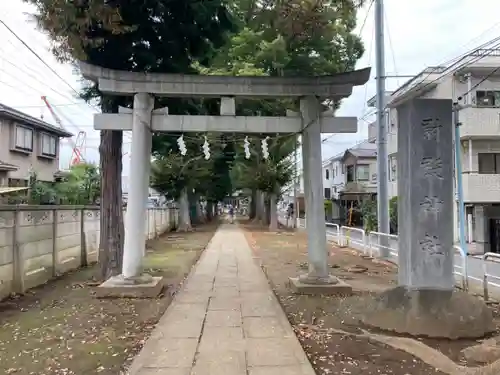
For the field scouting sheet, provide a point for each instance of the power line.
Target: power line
(391, 47)
(47, 65)
(481, 81)
(366, 17)
(452, 64)
(38, 57)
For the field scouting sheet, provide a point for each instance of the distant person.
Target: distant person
(231, 213)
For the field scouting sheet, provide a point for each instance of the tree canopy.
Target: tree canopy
(167, 36)
(232, 37)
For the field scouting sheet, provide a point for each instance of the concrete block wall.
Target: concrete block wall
(38, 243)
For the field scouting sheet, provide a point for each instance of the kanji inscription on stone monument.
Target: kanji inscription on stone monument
(433, 167)
(432, 204)
(431, 128)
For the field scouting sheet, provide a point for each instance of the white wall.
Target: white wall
(338, 181)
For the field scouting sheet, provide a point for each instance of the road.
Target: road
(474, 265)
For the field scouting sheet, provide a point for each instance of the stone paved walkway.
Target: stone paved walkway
(225, 320)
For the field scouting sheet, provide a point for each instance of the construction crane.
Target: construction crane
(78, 145)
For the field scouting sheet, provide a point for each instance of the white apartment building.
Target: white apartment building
(474, 83)
(333, 177)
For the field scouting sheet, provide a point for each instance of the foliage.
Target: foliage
(393, 214)
(166, 36)
(131, 35)
(285, 38)
(171, 172)
(79, 186)
(328, 206)
(295, 37)
(369, 214)
(266, 175)
(82, 185)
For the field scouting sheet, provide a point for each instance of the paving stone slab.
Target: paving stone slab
(228, 362)
(264, 327)
(224, 291)
(223, 318)
(165, 371)
(272, 352)
(282, 370)
(224, 303)
(173, 353)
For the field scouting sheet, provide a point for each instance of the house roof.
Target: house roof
(14, 114)
(363, 150)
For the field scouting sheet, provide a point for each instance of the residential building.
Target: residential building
(360, 166)
(27, 144)
(474, 83)
(333, 177)
(338, 176)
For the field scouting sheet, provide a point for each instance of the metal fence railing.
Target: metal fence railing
(333, 232)
(486, 275)
(370, 243)
(461, 270)
(348, 240)
(375, 243)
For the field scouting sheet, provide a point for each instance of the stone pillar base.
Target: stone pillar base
(144, 286)
(310, 285)
(429, 313)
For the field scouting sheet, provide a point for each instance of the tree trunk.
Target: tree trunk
(273, 220)
(259, 214)
(184, 216)
(111, 223)
(209, 210)
(265, 209)
(200, 218)
(253, 205)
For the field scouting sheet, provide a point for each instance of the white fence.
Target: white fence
(370, 243)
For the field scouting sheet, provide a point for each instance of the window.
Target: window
(488, 98)
(350, 173)
(49, 145)
(24, 138)
(327, 174)
(327, 193)
(488, 163)
(17, 182)
(363, 172)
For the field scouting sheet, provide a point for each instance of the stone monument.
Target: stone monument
(425, 303)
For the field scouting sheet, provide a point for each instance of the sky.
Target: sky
(417, 34)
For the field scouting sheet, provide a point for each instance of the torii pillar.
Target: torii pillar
(318, 280)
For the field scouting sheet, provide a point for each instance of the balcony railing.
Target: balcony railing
(480, 122)
(481, 188)
(372, 131)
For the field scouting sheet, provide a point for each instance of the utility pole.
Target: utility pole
(458, 171)
(382, 157)
(296, 181)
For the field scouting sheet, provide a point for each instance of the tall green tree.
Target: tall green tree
(189, 178)
(285, 38)
(144, 36)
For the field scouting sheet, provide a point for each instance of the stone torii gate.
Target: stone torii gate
(143, 120)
